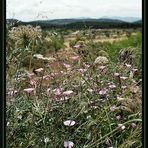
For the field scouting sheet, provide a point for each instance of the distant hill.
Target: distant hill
(13, 21)
(78, 23)
(138, 22)
(125, 19)
(69, 21)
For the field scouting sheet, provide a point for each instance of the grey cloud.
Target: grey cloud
(29, 9)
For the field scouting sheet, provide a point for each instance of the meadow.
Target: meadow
(73, 88)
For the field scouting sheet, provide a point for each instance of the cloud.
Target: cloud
(52, 9)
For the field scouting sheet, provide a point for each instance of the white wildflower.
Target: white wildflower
(116, 74)
(69, 123)
(46, 139)
(128, 65)
(101, 60)
(38, 56)
(103, 92)
(123, 78)
(68, 144)
(19, 117)
(112, 86)
(68, 92)
(39, 70)
(121, 126)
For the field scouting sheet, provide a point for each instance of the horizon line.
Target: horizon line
(103, 17)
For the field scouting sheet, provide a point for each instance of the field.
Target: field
(73, 88)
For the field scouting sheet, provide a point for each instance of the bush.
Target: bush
(25, 36)
(130, 55)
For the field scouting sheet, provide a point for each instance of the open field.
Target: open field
(80, 89)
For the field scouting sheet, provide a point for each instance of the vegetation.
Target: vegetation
(73, 90)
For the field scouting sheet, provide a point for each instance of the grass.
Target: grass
(106, 108)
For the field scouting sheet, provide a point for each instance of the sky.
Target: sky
(28, 10)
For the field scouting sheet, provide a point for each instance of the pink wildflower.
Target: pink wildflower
(113, 108)
(29, 90)
(77, 46)
(118, 117)
(81, 70)
(75, 58)
(46, 77)
(133, 125)
(112, 86)
(54, 74)
(57, 92)
(103, 92)
(66, 66)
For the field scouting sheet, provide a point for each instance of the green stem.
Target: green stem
(31, 56)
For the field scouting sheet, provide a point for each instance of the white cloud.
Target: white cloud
(27, 10)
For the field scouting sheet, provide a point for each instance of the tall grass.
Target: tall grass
(104, 100)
